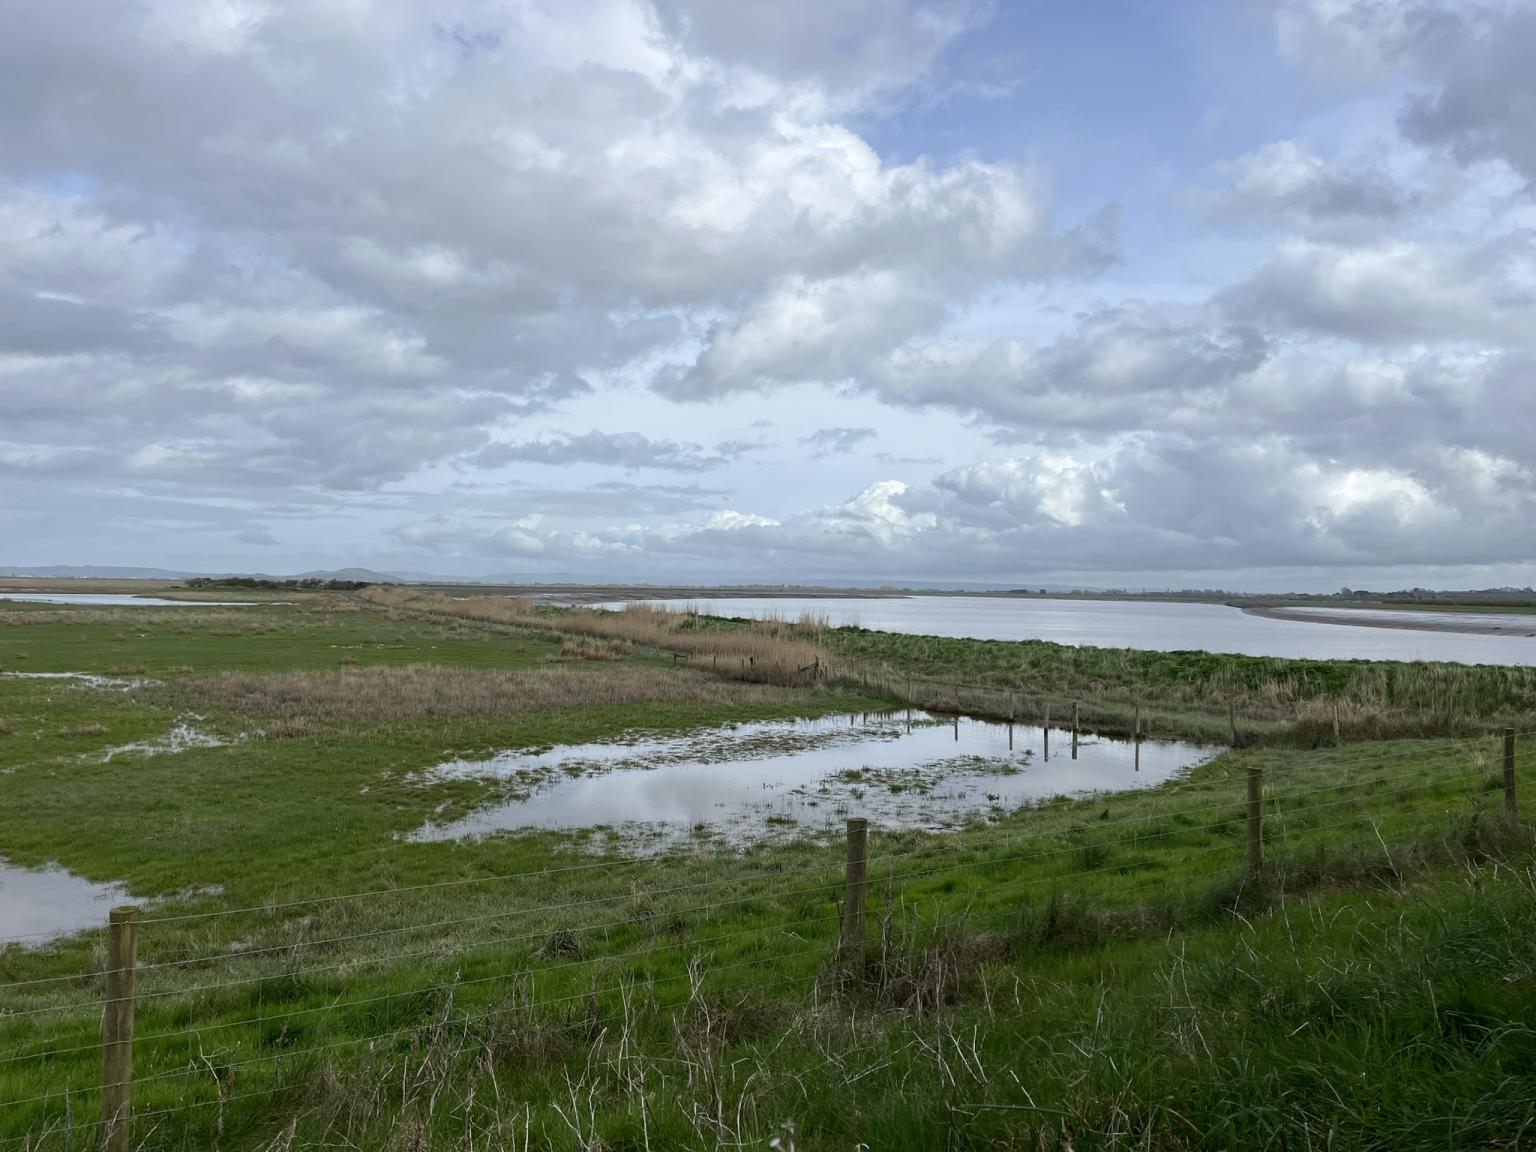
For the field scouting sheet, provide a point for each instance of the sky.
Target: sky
(1131, 293)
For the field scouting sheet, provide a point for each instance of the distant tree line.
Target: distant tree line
(307, 584)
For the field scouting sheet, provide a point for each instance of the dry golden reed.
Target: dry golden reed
(772, 651)
(393, 692)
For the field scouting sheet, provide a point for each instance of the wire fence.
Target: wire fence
(253, 1017)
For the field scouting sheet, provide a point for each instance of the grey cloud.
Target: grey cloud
(1475, 94)
(1390, 292)
(834, 441)
(1479, 55)
(257, 536)
(1113, 368)
(1283, 183)
(846, 46)
(272, 270)
(617, 449)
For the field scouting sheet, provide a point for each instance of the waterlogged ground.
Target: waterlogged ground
(774, 779)
(37, 904)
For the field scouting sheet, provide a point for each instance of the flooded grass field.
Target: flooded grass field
(400, 867)
(743, 783)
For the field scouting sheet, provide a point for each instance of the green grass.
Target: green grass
(1089, 973)
(1191, 693)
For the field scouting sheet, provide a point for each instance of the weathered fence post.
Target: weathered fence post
(1045, 730)
(1335, 723)
(1074, 729)
(1511, 798)
(1138, 721)
(117, 1031)
(1232, 719)
(1255, 819)
(851, 944)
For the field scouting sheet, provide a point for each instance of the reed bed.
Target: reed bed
(1189, 693)
(770, 651)
(398, 692)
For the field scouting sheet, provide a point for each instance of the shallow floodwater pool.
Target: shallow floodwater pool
(37, 904)
(773, 779)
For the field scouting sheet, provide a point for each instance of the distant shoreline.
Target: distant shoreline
(1361, 619)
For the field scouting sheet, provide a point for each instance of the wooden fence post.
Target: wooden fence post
(1335, 723)
(1232, 720)
(1138, 721)
(851, 944)
(1074, 729)
(117, 1031)
(1511, 798)
(1045, 730)
(1255, 819)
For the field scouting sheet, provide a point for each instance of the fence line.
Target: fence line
(226, 956)
(847, 954)
(842, 917)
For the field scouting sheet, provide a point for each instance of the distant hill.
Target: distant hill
(361, 575)
(110, 572)
(92, 572)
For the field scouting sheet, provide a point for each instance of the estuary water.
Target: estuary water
(1147, 624)
(117, 600)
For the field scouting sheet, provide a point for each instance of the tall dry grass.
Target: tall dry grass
(775, 650)
(399, 692)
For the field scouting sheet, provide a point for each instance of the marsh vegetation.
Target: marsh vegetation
(1098, 971)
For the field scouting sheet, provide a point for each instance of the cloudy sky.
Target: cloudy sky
(1235, 293)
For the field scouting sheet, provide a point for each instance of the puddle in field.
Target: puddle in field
(785, 778)
(180, 738)
(37, 904)
(83, 679)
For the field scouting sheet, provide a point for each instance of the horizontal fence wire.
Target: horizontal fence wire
(1440, 747)
(1335, 788)
(1296, 823)
(1271, 797)
(527, 973)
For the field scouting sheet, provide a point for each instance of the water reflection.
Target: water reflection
(40, 903)
(750, 781)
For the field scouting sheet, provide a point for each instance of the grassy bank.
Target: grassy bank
(1188, 694)
(1099, 972)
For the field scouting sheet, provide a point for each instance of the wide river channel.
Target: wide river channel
(1154, 625)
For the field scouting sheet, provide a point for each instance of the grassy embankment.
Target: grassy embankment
(1193, 695)
(1092, 973)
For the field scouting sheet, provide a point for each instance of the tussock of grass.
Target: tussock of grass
(594, 650)
(394, 692)
(84, 730)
